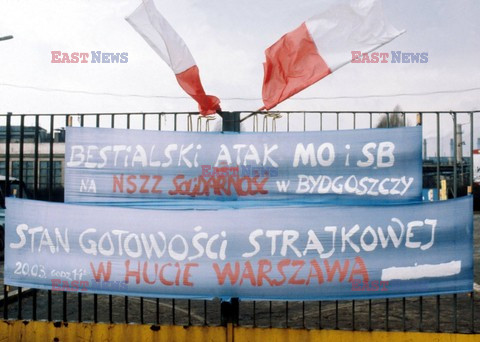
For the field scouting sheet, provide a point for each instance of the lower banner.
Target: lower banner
(308, 253)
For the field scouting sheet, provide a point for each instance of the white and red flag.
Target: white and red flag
(163, 39)
(321, 45)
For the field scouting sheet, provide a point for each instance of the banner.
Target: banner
(287, 253)
(152, 168)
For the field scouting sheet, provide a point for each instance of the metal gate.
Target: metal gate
(31, 165)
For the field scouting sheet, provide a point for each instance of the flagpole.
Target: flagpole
(6, 38)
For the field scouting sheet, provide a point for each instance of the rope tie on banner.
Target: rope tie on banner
(274, 117)
(207, 120)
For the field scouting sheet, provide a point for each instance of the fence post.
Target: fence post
(229, 312)
(230, 121)
(8, 138)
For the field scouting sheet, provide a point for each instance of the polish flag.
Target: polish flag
(163, 39)
(321, 45)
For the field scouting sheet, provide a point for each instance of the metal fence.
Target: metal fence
(31, 157)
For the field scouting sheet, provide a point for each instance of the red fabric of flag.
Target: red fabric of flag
(292, 64)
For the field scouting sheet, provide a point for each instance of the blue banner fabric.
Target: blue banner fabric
(286, 253)
(173, 169)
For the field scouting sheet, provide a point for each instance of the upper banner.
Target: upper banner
(147, 168)
(287, 253)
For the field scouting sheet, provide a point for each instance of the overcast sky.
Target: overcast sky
(227, 40)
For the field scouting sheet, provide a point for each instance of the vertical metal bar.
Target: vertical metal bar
(7, 155)
(472, 312)
(455, 327)
(387, 313)
(49, 306)
(204, 312)
(404, 307)
(288, 121)
(369, 315)
(189, 312)
(20, 171)
(321, 121)
(143, 121)
(254, 314)
(388, 119)
(437, 311)
(64, 306)
(338, 121)
(455, 144)
(471, 150)
(157, 311)
(128, 121)
(175, 122)
(304, 122)
(82, 120)
(353, 314)
(95, 308)
(270, 313)
(35, 157)
(141, 310)
(336, 315)
(97, 121)
(19, 303)
(112, 123)
(50, 160)
(110, 308)
(420, 313)
(303, 314)
(438, 151)
(235, 310)
(126, 309)
(371, 120)
(79, 306)
(34, 304)
(354, 120)
(319, 314)
(159, 122)
(286, 314)
(173, 311)
(5, 301)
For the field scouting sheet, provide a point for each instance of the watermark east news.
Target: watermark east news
(92, 57)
